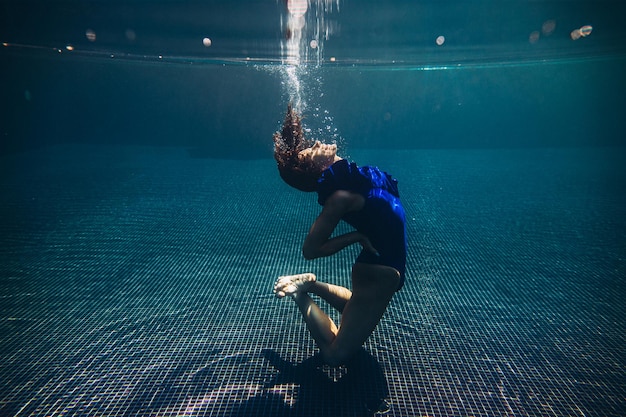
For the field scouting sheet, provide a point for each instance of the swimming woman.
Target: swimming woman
(368, 200)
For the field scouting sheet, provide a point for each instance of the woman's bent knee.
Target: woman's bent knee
(334, 357)
(379, 278)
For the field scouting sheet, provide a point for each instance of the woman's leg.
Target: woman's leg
(334, 295)
(373, 288)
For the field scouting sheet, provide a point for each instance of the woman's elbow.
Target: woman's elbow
(309, 253)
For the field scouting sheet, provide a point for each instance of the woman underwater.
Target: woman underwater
(368, 200)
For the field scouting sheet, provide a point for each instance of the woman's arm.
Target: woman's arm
(317, 243)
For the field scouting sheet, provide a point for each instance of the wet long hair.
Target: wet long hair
(288, 143)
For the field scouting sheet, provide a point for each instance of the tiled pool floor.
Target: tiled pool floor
(137, 281)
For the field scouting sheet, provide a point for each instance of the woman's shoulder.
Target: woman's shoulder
(344, 175)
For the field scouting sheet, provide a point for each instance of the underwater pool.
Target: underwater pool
(143, 223)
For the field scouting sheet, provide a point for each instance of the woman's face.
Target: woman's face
(320, 154)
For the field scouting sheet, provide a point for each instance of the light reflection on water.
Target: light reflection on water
(319, 32)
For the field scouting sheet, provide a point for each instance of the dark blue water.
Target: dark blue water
(142, 222)
(137, 281)
(507, 75)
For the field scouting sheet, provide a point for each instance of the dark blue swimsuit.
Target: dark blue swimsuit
(381, 219)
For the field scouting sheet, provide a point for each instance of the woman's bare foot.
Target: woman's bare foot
(293, 284)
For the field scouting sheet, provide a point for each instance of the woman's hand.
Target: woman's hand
(367, 245)
(318, 242)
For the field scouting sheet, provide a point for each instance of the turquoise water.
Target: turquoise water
(137, 280)
(505, 75)
(142, 222)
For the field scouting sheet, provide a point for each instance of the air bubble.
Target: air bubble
(586, 30)
(131, 35)
(90, 35)
(548, 27)
(297, 8)
(534, 37)
(581, 32)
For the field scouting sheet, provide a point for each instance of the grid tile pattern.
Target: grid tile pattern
(137, 281)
